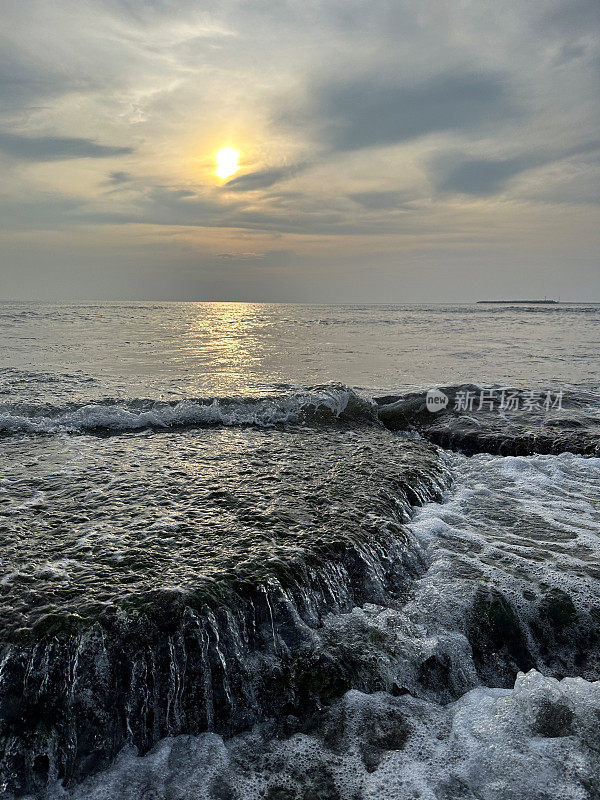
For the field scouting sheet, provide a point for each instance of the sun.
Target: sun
(227, 162)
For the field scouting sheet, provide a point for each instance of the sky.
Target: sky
(389, 150)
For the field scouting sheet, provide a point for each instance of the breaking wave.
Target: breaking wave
(520, 430)
(319, 404)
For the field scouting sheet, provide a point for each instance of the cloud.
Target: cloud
(399, 110)
(371, 110)
(239, 256)
(117, 177)
(487, 176)
(268, 257)
(174, 207)
(25, 79)
(574, 17)
(264, 178)
(48, 211)
(379, 201)
(55, 148)
(480, 176)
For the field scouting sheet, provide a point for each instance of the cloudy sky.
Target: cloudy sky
(397, 150)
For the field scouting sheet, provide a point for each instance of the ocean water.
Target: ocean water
(240, 558)
(178, 351)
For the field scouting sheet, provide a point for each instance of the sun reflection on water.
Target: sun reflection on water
(231, 338)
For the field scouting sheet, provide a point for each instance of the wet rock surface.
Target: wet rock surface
(375, 656)
(499, 420)
(74, 690)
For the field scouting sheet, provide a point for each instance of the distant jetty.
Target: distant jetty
(522, 302)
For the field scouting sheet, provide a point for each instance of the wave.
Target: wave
(315, 405)
(525, 428)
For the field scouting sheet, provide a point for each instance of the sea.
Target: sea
(255, 551)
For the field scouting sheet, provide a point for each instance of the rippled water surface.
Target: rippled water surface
(179, 350)
(89, 522)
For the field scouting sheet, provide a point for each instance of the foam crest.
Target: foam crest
(311, 406)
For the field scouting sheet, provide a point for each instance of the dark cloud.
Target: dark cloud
(264, 178)
(49, 211)
(55, 148)
(379, 201)
(574, 17)
(117, 177)
(480, 176)
(22, 81)
(569, 53)
(372, 110)
(162, 205)
(32, 77)
(171, 206)
(592, 147)
(487, 176)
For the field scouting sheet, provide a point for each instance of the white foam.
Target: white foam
(537, 741)
(263, 412)
(519, 521)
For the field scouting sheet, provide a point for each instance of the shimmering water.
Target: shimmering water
(61, 352)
